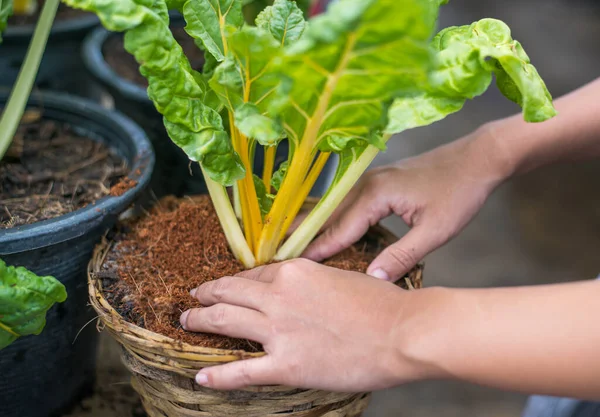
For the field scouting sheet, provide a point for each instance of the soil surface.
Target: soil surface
(124, 64)
(64, 13)
(155, 262)
(50, 170)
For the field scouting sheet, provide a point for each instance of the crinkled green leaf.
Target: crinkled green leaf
(178, 92)
(279, 175)
(208, 19)
(24, 300)
(351, 63)
(421, 110)
(467, 56)
(284, 20)
(265, 200)
(253, 124)
(6, 9)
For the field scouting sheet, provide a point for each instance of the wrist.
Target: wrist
(424, 332)
(489, 147)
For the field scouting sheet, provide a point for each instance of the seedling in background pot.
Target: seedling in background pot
(343, 82)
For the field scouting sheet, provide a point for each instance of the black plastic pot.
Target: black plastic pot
(41, 376)
(62, 68)
(172, 172)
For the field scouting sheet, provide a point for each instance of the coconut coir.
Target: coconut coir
(156, 260)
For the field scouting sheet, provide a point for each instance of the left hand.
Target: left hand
(321, 328)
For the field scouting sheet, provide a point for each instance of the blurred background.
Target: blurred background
(540, 228)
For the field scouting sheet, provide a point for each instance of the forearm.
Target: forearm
(543, 340)
(518, 147)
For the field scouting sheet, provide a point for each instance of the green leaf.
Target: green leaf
(421, 110)
(284, 20)
(6, 9)
(24, 300)
(351, 63)
(208, 19)
(253, 124)
(178, 92)
(467, 56)
(250, 86)
(279, 175)
(265, 200)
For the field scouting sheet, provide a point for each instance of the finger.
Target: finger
(240, 374)
(231, 290)
(227, 320)
(347, 230)
(396, 260)
(264, 273)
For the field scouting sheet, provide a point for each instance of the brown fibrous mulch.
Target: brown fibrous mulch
(155, 261)
(51, 170)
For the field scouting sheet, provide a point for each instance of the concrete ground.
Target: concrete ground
(539, 228)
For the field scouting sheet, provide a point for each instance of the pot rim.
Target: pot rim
(93, 59)
(75, 224)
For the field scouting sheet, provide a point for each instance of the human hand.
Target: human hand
(321, 328)
(436, 194)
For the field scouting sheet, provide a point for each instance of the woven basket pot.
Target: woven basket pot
(163, 369)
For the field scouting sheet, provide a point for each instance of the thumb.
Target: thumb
(237, 375)
(396, 260)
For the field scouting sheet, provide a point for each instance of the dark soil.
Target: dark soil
(64, 13)
(124, 64)
(50, 170)
(156, 261)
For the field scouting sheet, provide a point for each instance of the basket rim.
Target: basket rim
(110, 318)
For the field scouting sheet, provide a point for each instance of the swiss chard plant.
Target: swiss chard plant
(25, 297)
(343, 82)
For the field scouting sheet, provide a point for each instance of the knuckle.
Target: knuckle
(294, 369)
(219, 288)
(244, 375)
(402, 257)
(293, 270)
(217, 316)
(333, 237)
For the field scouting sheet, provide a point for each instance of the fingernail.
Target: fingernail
(183, 319)
(380, 274)
(193, 292)
(201, 379)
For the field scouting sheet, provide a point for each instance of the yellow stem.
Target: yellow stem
(300, 198)
(249, 194)
(270, 153)
(246, 221)
(269, 238)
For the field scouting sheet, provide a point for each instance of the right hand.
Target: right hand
(436, 194)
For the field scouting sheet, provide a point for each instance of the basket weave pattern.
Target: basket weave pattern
(163, 371)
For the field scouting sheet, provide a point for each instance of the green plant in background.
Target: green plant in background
(24, 297)
(344, 82)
